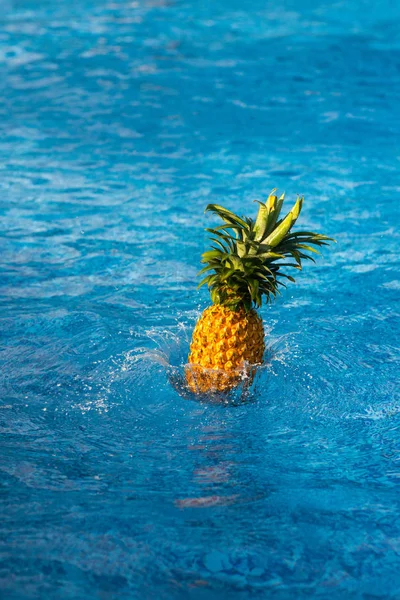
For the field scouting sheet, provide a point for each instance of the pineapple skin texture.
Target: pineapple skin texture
(223, 342)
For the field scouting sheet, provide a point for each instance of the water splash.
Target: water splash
(171, 348)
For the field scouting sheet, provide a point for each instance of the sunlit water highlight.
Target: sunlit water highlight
(119, 122)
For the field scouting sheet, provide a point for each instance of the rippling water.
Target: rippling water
(119, 121)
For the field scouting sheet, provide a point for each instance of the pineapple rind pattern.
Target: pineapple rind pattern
(225, 344)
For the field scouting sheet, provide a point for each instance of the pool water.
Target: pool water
(119, 122)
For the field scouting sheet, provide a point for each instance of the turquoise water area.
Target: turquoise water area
(119, 122)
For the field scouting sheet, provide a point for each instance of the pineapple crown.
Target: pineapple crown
(247, 255)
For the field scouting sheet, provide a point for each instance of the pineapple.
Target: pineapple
(244, 265)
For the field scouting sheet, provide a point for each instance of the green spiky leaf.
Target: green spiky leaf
(247, 259)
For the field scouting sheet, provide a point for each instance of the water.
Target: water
(119, 122)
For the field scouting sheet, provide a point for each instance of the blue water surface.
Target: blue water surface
(119, 121)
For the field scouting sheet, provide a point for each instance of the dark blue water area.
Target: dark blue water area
(119, 122)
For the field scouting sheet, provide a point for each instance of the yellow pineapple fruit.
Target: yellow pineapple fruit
(223, 340)
(245, 263)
